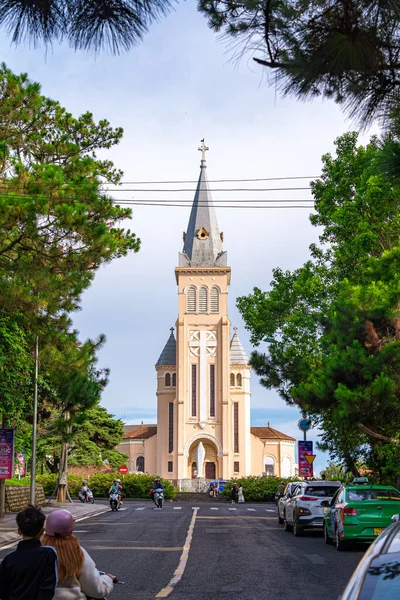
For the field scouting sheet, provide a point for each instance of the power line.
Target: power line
(208, 190)
(215, 203)
(165, 205)
(221, 180)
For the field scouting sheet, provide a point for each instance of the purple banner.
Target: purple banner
(6, 453)
(305, 469)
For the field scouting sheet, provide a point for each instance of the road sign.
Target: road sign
(304, 424)
(123, 470)
(310, 458)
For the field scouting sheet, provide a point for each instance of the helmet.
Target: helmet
(158, 479)
(83, 482)
(115, 480)
(60, 523)
(118, 481)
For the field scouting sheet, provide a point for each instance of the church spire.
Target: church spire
(203, 241)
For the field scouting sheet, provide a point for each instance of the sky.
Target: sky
(179, 86)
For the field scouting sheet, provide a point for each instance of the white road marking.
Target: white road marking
(177, 507)
(232, 508)
(195, 507)
(179, 571)
(142, 508)
(213, 508)
(269, 510)
(251, 509)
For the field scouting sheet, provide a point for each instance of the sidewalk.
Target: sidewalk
(8, 526)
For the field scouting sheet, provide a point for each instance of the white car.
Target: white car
(304, 510)
(283, 500)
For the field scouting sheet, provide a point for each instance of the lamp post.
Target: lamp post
(34, 433)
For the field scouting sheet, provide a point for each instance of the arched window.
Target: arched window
(140, 464)
(173, 379)
(239, 380)
(269, 466)
(232, 379)
(203, 300)
(167, 380)
(214, 300)
(191, 300)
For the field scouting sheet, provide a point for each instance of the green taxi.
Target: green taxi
(359, 512)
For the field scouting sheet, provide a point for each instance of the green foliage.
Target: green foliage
(337, 319)
(256, 489)
(134, 486)
(346, 50)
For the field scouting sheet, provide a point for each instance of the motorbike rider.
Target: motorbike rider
(84, 490)
(120, 490)
(116, 488)
(156, 486)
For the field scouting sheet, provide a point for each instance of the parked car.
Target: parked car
(304, 509)
(283, 500)
(377, 576)
(359, 512)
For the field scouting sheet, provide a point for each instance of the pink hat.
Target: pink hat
(60, 523)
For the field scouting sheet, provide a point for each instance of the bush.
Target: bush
(256, 489)
(133, 486)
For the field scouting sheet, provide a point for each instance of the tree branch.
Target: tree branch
(376, 435)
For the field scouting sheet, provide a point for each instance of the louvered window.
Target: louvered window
(212, 390)
(239, 380)
(203, 300)
(167, 380)
(170, 426)
(173, 379)
(236, 466)
(236, 427)
(170, 466)
(232, 379)
(191, 300)
(140, 464)
(214, 300)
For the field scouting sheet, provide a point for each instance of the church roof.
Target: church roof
(268, 433)
(140, 432)
(238, 354)
(203, 240)
(168, 355)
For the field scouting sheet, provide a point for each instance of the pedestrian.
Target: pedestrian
(234, 492)
(77, 573)
(240, 494)
(211, 491)
(30, 572)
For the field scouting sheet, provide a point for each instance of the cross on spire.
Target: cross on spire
(235, 329)
(203, 149)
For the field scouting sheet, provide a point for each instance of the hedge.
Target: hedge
(133, 486)
(256, 489)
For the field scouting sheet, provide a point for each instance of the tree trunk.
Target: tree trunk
(3, 485)
(63, 474)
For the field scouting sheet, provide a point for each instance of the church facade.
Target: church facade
(203, 376)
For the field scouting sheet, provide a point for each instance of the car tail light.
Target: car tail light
(350, 512)
(307, 498)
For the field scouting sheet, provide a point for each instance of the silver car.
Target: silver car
(304, 510)
(283, 500)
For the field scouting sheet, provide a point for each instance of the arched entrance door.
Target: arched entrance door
(210, 470)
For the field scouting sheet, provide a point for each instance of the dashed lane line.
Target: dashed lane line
(182, 562)
(213, 508)
(251, 509)
(177, 507)
(141, 508)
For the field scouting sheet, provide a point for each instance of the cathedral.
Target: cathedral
(203, 427)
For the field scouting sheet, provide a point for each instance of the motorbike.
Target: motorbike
(88, 498)
(158, 498)
(114, 501)
(277, 497)
(115, 580)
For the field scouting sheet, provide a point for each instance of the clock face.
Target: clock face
(202, 233)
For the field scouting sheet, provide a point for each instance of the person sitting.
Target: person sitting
(115, 488)
(77, 573)
(84, 491)
(31, 570)
(156, 486)
(211, 490)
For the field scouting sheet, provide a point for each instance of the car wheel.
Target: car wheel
(338, 542)
(286, 525)
(327, 539)
(297, 530)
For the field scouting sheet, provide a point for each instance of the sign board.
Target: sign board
(310, 458)
(305, 449)
(304, 424)
(6, 453)
(123, 470)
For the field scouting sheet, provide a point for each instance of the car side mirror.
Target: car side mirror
(325, 503)
(395, 518)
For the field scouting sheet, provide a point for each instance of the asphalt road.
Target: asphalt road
(233, 554)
